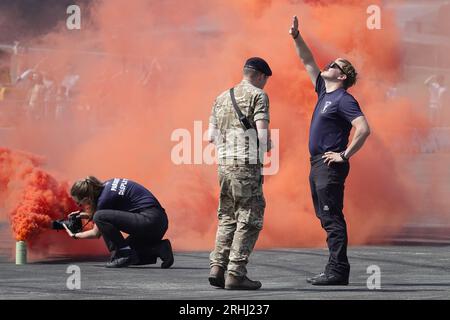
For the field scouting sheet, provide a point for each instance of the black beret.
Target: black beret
(258, 64)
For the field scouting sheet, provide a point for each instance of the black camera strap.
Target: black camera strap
(82, 227)
(246, 124)
(242, 119)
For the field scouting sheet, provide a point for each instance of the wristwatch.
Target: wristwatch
(342, 154)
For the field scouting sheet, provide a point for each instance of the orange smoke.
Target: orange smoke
(151, 67)
(32, 197)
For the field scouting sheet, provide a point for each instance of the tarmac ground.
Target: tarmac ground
(406, 272)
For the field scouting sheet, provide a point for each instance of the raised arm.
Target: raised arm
(304, 52)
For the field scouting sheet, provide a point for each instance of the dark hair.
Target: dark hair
(251, 73)
(350, 72)
(88, 189)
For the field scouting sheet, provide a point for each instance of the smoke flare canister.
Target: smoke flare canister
(21, 252)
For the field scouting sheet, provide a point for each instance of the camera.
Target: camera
(73, 223)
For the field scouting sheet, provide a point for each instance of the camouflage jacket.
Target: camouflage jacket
(232, 142)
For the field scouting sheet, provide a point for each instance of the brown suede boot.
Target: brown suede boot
(217, 277)
(241, 283)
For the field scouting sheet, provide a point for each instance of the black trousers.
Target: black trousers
(145, 229)
(327, 189)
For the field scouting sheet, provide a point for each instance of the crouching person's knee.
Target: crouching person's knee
(100, 216)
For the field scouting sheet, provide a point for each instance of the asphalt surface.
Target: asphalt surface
(406, 272)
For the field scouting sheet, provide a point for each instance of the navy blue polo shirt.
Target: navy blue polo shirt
(331, 120)
(126, 195)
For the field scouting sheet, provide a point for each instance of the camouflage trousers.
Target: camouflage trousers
(240, 213)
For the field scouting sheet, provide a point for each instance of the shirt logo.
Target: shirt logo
(327, 104)
(122, 186)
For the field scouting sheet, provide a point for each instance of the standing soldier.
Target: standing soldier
(239, 128)
(335, 114)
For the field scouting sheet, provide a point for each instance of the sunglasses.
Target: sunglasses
(334, 65)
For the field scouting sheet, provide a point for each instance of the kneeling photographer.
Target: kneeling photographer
(121, 205)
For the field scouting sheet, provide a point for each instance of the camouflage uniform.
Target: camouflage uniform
(241, 203)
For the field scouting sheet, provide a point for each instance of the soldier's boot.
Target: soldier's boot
(217, 277)
(241, 283)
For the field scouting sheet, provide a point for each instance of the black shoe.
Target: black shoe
(123, 258)
(330, 280)
(145, 255)
(310, 280)
(166, 254)
(143, 260)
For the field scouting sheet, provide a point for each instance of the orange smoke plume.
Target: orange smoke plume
(32, 197)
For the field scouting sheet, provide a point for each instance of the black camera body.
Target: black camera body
(73, 223)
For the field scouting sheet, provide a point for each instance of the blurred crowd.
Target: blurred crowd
(46, 98)
(35, 96)
(432, 104)
(35, 90)
(438, 99)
